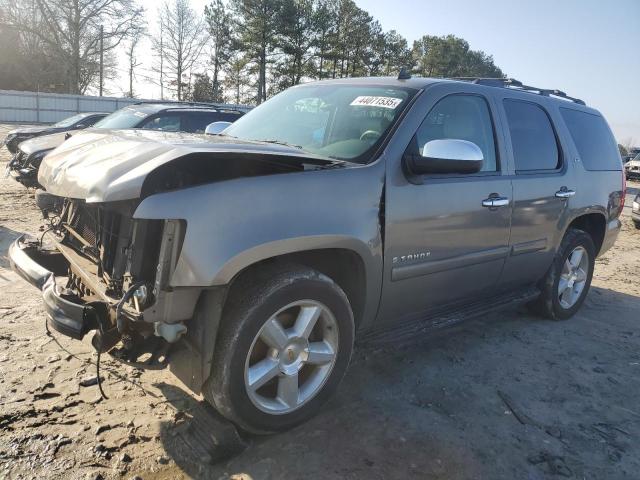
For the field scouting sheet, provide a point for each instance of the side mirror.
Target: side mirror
(444, 156)
(216, 128)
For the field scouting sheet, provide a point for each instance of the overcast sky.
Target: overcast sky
(588, 48)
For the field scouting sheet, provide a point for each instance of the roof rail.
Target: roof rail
(516, 84)
(220, 106)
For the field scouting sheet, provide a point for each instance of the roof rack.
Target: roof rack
(220, 106)
(515, 84)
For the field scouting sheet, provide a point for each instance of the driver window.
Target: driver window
(461, 117)
(166, 123)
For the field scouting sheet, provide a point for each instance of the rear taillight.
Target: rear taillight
(624, 190)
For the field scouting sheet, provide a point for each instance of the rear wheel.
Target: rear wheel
(284, 346)
(567, 282)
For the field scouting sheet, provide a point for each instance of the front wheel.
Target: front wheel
(567, 281)
(284, 346)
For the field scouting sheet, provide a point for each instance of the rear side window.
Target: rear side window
(532, 137)
(592, 137)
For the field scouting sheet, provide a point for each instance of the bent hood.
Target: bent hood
(45, 142)
(111, 165)
(34, 130)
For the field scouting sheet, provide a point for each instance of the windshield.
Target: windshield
(67, 122)
(123, 118)
(338, 121)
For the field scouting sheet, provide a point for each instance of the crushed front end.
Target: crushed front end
(101, 270)
(23, 167)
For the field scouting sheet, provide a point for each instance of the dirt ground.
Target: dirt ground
(507, 396)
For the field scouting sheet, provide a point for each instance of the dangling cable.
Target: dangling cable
(102, 394)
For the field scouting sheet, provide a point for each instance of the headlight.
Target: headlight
(36, 158)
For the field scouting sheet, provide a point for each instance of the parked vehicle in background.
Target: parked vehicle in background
(76, 122)
(165, 117)
(635, 211)
(248, 261)
(632, 168)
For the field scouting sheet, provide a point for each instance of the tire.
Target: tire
(551, 304)
(245, 343)
(636, 224)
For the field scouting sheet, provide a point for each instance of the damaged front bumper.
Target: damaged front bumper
(39, 267)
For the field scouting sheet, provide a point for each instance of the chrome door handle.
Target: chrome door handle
(564, 193)
(492, 202)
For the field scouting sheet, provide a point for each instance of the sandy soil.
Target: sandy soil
(505, 396)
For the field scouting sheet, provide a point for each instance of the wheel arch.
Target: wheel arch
(595, 224)
(344, 266)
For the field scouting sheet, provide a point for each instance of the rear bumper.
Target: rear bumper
(610, 235)
(71, 318)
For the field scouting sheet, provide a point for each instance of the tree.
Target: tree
(295, 40)
(219, 26)
(70, 30)
(257, 25)
(236, 80)
(450, 56)
(135, 36)
(324, 24)
(623, 150)
(391, 53)
(202, 89)
(180, 42)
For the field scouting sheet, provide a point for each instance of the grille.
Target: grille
(85, 223)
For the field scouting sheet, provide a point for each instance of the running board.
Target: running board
(419, 327)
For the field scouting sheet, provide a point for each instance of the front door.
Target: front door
(444, 241)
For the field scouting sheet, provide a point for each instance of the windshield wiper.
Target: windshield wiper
(280, 142)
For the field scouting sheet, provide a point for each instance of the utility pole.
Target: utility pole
(101, 57)
(161, 64)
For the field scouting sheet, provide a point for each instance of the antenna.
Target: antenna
(404, 74)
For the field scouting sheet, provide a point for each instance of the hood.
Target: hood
(100, 165)
(33, 130)
(44, 142)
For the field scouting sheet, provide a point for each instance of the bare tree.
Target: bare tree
(180, 43)
(136, 35)
(71, 30)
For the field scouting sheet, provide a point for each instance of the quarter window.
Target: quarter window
(461, 117)
(597, 148)
(532, 137)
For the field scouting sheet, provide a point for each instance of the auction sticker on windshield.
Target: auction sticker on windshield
(370, 101)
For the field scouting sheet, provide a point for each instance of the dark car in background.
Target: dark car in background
(76, 122)
(166, 117)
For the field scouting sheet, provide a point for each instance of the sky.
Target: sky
(589, 49)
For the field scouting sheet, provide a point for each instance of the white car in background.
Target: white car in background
(632, 168)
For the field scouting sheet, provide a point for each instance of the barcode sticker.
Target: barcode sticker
(369, 101)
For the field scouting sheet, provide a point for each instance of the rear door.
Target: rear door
(442, 245)
(543, 183)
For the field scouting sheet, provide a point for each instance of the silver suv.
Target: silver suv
(250, 261)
